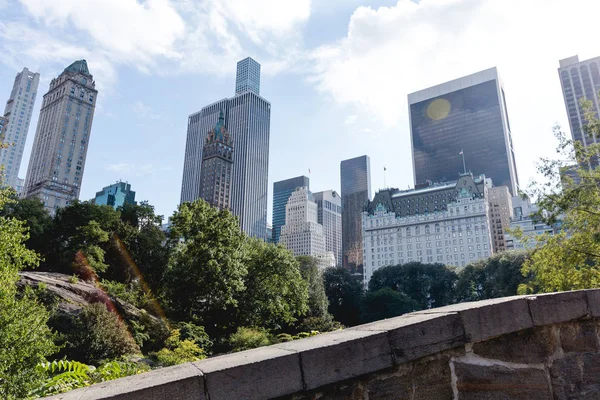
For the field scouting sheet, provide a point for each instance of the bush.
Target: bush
(130, 293)
(178, 351)
(321, 324)
(249, 338)
(196, 334)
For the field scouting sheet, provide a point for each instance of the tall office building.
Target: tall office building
(329, 215)
(217, 164)
(18, 110)
(580, 80)
(247, 118)
(3, 128)
(116, 195)
(465, 115)
(61, 140)
(355, 175)
(282, 191)
(501, 213)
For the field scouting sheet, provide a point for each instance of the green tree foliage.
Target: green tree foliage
(197, 334)
(36, 218)
(249, 338)
(386, 303)
(206, 272)
(344, 294)
(25, 339)
(497, 276)
(179, 351)
(569, 260)
(428, 285)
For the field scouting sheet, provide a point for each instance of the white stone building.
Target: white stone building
(329, 214)
(524, 218)
(444, 223)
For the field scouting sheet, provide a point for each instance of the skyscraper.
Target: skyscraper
(116, 195)
(355, 175)
(282, 191)
(248, 119)
(61, 140)
(329, 215)
(501, 212)
(217, 163)
(18, 110)
(466, 116)
(580, 80)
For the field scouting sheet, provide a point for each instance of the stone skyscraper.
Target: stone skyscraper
(217, 163)
(580, 80)
(355, 177)
(469, 116)
(329, 214)
(18, 110)
(282, 191)
(248, 119)
(61, 140)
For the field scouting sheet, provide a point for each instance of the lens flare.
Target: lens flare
(438, 109)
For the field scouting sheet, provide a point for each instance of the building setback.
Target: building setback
(116, 195)
(282, 191)
(501, 212)
(60, 146)
(247, 119)
(467, 114)
(217, 163)
(18, 110)
(532, 227)
(329, 215)
(580, 80)
(444, 223)
(355, 176)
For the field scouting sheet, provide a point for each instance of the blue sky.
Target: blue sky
(337, 73)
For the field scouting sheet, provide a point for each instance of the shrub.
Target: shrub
(196, 334)
(249, 338)
(177, 351)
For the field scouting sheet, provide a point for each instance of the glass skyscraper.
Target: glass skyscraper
(282, 191)
(355, 175)
(580, 79)
(247, 118)
(116, 195)
(469, 116)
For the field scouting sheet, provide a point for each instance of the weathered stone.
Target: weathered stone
(579, 337)
(335, 356)
(432, 377)
(396, 385)
(593, 300)
(180, 382)
(261, 373)
(497, 382)
(576, 376)
(488, 318)
(553, 308)
(417, 335)
(529, 346)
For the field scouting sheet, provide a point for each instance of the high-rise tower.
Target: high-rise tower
(18, 110)
(282, 191)
(329, 214)
(247, 119)
(61, 140)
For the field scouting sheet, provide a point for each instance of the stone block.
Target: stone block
(415, 336)
(593, 298)
(498, 382)
(488, 318)
(394, 385)
(335, 356)
(261, 373)
(432, 377)
(576, 376)
(579, 337)
(180, 382)
(553, 308)
(529, 346)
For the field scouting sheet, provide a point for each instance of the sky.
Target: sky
(337, 74)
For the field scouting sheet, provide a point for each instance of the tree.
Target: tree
(497, 276)
(275, 293)
(570, 194)
(344, 294)
(36, 218)
(205, 276)
(25, 339)
(429, 285)
(386, 303)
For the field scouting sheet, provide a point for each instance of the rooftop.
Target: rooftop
(78, 67)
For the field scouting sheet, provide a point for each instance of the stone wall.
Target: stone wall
(522, 347)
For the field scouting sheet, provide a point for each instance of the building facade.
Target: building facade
(329, 215)
(247, 119)
(580, 80)
(441, 223)
(247, 76)
(525, 218)
(501, 213)
(61, 141)
(116, 195)
(282, 191)
(18, 111)
(3, 127)
(302, 234)
(355, 177)
(217, 166)
(469, 116)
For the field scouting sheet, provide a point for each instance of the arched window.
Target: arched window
(426, 229)
(407, 231)
(437, 228)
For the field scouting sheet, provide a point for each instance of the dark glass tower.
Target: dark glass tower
(466, 115)
(355, 177)
(282, 191)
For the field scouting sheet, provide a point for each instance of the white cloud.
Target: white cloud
(135, 170)
(350, 120)
(144, 111)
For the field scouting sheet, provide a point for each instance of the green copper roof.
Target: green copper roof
(220, 127)
(79, 66)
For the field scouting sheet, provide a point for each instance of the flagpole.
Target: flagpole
(384, 185)
(462, 153)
